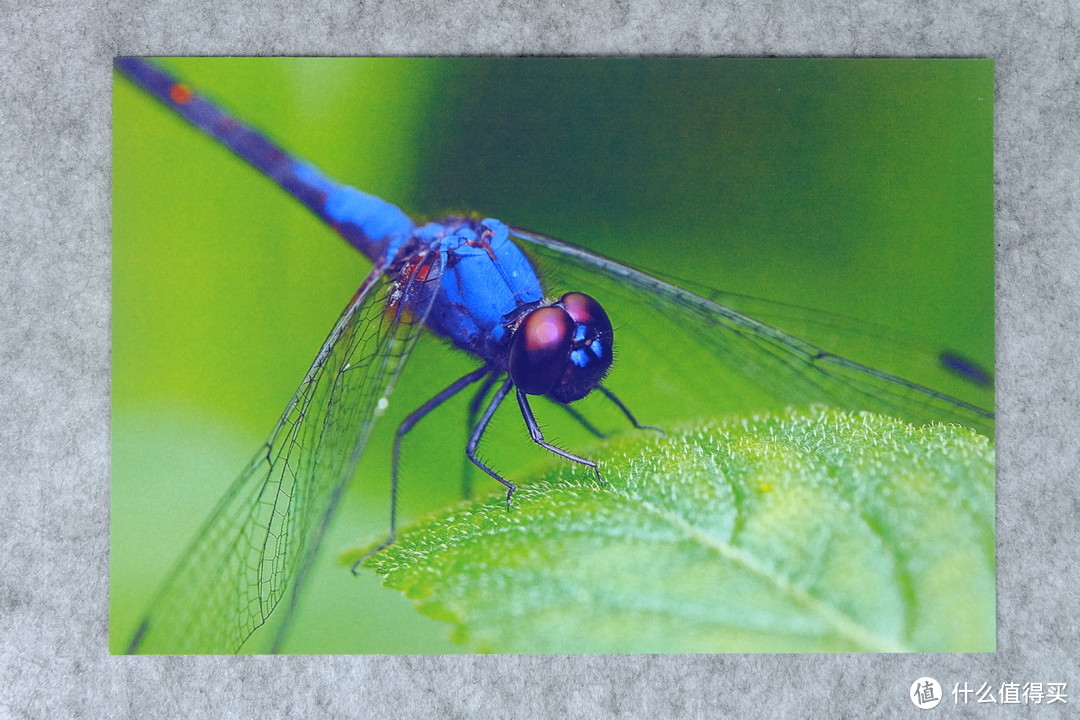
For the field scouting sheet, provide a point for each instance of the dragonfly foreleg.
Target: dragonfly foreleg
(470, 422)
(582, 420)
(406, 425)
(538, 437)
(478, 432)
(474, 411)
(626, 411)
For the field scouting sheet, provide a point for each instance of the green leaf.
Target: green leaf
(808, 532)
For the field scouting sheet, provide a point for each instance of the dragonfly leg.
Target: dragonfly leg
(406, 425)
(582, 420)
(470, 423)
(538, 437)
(478, 432)
(626, 411)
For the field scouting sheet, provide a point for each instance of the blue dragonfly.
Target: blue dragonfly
(477, 283)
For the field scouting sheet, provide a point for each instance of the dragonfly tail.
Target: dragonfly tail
(370, 224)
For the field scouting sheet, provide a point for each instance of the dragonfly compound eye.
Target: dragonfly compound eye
(586, 311)
(590, 348)
(538, 356)
(564, 350)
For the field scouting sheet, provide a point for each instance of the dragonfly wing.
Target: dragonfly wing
(266, 530)
(707, 358)
(887, 348)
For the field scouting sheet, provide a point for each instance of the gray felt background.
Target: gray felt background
(55, 84)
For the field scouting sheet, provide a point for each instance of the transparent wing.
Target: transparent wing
(888, 348)
(699, 357)
(266, 530)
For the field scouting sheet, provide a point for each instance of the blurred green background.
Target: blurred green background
(859, 187)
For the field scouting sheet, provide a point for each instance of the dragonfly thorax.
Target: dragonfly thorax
(562, 350)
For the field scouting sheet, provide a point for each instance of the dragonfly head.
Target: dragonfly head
(562, 350)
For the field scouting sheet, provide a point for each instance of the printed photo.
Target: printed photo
(564, 355)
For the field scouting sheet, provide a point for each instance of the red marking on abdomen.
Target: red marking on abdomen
(180, 94)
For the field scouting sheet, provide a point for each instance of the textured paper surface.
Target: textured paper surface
(54, 339)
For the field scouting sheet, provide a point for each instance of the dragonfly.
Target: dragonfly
(482, 286)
